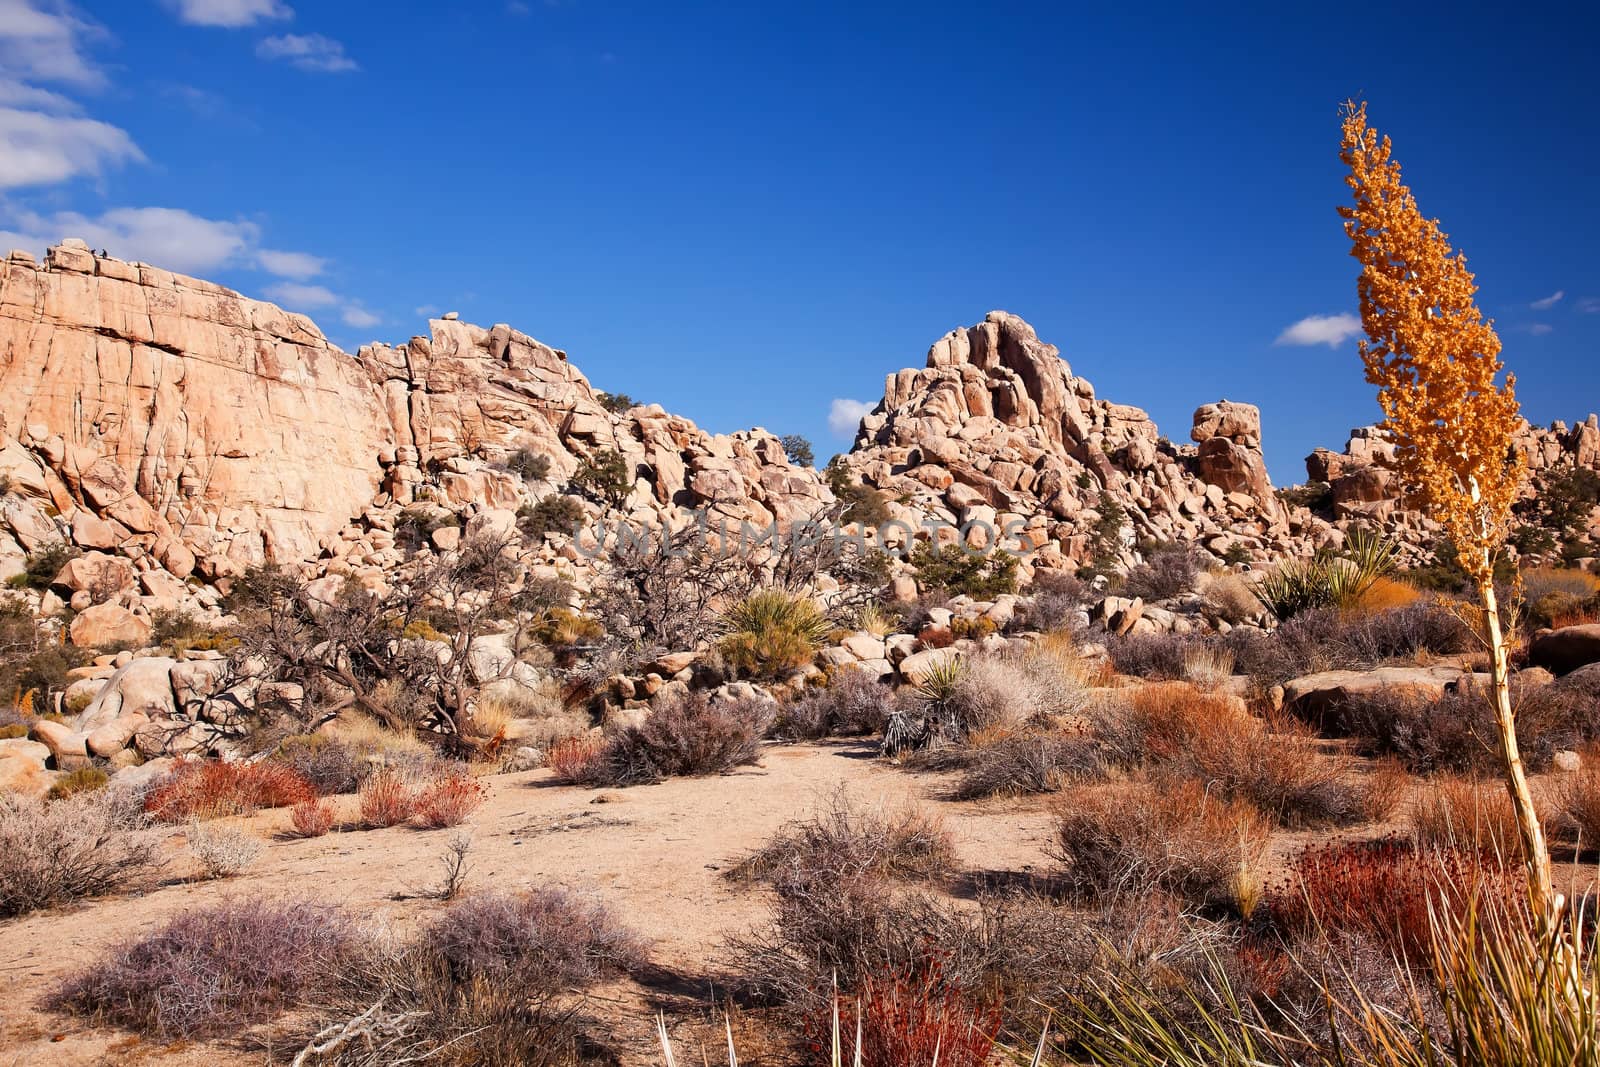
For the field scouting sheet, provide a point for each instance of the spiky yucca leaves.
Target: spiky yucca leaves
(772, 632)
(1329, 581)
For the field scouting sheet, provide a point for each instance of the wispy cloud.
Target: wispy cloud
(845, 415)
(517, 7)
(1546, 303)
(310, 51)
(1330, 330)
(166, 237)
(229, 14)
(1589, 305)
(426, 311)
(359, 317)
(1539, 329)
(43, 41)
(42, 148)
(297, 265)
(297, 297)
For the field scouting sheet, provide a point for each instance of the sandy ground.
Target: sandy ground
(655, 853)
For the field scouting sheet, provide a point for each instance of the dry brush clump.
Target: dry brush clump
(1132, 836)
(1028, 763)
(844, 841)
(213, 970)
(683, 735)
(1469, 815)
(851, 704)
(496, 980)
(222, 851)
(55, 852)
(213, 788)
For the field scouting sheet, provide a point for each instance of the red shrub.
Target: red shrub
(208, 789)
(935, 637)
(312, 818)
(386, 800)
(448, 798)
(912, 1016)
(573, 758)
(1382, 890)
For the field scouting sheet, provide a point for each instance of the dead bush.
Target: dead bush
(852, 703)
(1169, 571)
(222, 851)
(213, 970)
(1471, 816)
(683, 735)
(1028, 763)
(387, 798)
(1231, 598)
(213, 788)
(327, 764)
(844, 841)
(64, 850)
(1575, 802)
(1131, 836)
(312, 818)
(1008, 692)
(496, 980)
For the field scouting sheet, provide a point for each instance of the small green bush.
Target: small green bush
(82, 780)
(798, 449)
(958, 572)
(617, 403)
(43, 564)
(772, 632)
(606, 476)
(553, 514)
(529, 465)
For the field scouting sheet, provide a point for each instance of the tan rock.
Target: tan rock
(109, 624)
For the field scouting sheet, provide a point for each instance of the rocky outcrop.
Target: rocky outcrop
(996, 429)
(190, 430)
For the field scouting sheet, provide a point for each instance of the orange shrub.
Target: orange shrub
(312, 818)
(572, 759)
(913, 1016)
(386, 799)
(210, 788)
(448, 798)
(1459, 813)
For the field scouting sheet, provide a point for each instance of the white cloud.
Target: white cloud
(310, 51)
(43, 42)
(1330, 330)
(844, 415)
(34, 98)
(1548, 302)
(297, 265)
(296, 296)
(1589, 305)
(359, 317)
(1539, 329)
(426, 311)
(37, 148)
(518, 7)
(230, 14)
(167, 237)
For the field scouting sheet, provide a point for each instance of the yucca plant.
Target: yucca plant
(1329, 580)
(772, 632)
(877, 621)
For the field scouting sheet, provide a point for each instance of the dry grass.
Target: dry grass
(1459, 813)
(312, 818)
(1387, 593)
(387, 798)
(448, 798)
(65, 850)
(1208, 665)
(1028, 763)
(1131, 837)
(211, 789)
(844, 841)
(222, 851)
(1231, 598)
(1574, 802)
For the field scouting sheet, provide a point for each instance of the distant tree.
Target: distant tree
(530, 465)
(798, 449)
(606, 476)
(1435, 361)
(616, 403)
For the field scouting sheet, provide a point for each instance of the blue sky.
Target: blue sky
(746, 212)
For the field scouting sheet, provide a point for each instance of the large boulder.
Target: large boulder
(22, 767)
(1567, 649)
(109, 624)
(916, 667)
(1317, 697)
(143, 686)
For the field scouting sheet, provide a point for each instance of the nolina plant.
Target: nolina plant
(1435, 361)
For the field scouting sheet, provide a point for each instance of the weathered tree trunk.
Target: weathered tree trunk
(1542, 897)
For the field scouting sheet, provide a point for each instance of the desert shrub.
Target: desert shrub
(683, 735)
(57, 852)
(1574, 803)
(976, 629)
(495, 981)
(574, 759)
(553, 514)
(1169, 571)
(312, 818)
(82, 780)
(1471, 816)
(1057, 598)
(935, 637)
(862, 504)
(1009, 691)
(958, 572)
(877, 620)
(1386, 594)
(851, 703)
(213, 970)
(772, 632)
(1455, 732)
(41, 566)
(11, 731)
(844, 841)
(179, 631)
(222, 851)
(616, 403)
(1121, 838)
(561, 627)
(1386, 891)
(1329, 639)
(448, 797)
(607, 476)
(911, 1015)
(386, 798)
(1208, 664)
(1028, 763)
(416, 525)
(1159, 656)
(528, 465)
(1327, 580)
(797, 450)
(212, 788)
(327, 764)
